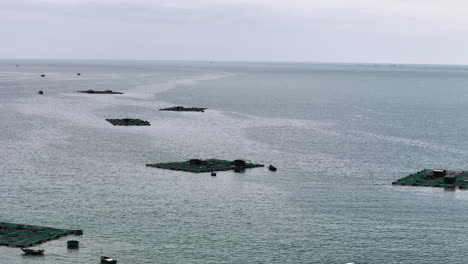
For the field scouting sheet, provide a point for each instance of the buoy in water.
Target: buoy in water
(73, 244)
(78, 74)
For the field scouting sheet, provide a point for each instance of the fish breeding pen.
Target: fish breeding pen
(128, 122)
(17, 235)
(183, 109)
(209, 165)
(436, 178)
(99, 92)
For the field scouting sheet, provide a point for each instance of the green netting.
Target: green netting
(26, 235)
(426, 178)
(128, 122)
(208, 165)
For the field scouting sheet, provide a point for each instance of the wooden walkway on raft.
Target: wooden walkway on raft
(18, 235)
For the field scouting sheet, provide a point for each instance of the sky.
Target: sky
(361, 31)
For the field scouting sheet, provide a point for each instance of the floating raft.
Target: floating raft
(99, 92)
(128, 122)
(183, 109)
(436, 178)
(209, 165)
(17, 235)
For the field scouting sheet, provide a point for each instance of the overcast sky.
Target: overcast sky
(394, 31)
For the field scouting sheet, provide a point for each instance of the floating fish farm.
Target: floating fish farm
(128, 122)
(436, 178)
(99, 92)
(209, 165)
(183, 109)
(17, 235)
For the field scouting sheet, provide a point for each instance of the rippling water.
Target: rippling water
(339, 134)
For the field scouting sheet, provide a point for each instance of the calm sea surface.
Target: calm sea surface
(339, 135)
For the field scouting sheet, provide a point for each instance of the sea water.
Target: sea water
(338, 133)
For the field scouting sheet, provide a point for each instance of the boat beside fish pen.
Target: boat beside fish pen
(36, 252)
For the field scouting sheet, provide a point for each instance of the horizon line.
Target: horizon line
(232, 61)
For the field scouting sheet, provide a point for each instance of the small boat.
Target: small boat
(42, 75)
(272, 168)
(33, 251)
(107, 260)
(78, 74)
(213, 174)
(40, 92)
